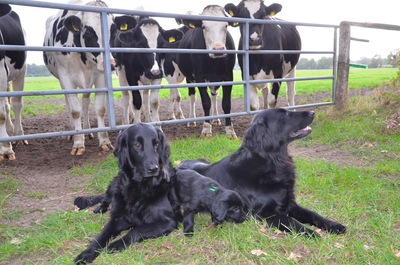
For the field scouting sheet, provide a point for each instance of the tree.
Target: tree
(37, 70)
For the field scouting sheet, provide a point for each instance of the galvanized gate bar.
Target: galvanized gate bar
(107, 50)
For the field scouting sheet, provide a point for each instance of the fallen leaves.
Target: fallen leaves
(395, 252)
(258, 252)
(294, 256)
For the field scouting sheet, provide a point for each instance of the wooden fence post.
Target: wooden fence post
(342, 88)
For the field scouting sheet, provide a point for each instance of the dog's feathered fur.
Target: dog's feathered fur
(198, 193)
(138, 194)
(263, 173)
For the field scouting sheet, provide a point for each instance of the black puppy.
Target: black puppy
(138, 194)
(263, 173)
(198, 193)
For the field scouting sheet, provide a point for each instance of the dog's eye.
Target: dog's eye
(156, 145)
(137, 145)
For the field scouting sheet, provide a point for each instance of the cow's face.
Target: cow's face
(86, 27)
(254, 9)
(214, 31)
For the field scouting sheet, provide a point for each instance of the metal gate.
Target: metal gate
(109, 90)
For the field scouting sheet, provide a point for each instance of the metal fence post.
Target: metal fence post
(342, 88)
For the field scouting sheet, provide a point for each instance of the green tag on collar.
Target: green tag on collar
(213, 187)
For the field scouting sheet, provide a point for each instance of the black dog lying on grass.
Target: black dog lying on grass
(201, 194)
(263, 173)
(138, 194)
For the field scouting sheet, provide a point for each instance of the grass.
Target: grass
(365, 198)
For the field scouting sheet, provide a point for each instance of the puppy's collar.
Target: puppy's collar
(213, 187)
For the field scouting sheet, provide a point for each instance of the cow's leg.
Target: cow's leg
(17, 104)
(9, 123)
(5, 147)
(206, 103)
(192, 109)
(137, 105)
(85, 114)
(75, 109)
(226, 106)
(290, 88)
(254, 102)
(214, 105)
(154, 101)
(100, 107)
(265, 94)
(125, 97)
(174, 108)
(273, 96)
(146, 105)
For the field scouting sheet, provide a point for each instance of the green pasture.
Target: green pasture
(359, 78)
(360, 188)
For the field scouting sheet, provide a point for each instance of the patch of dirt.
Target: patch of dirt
(42, 167)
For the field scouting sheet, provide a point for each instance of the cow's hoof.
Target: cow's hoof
(88, 136)
(216, 122)
(180, 116)
(191, 124)
(18, 143)
(78, 151)
(7, 156)
(11, 157)
(106, 147)
(233, 136)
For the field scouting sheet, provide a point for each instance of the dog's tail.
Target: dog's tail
(85, 202)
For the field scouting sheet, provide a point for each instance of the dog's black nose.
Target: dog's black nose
(312, 113)
(152, 168)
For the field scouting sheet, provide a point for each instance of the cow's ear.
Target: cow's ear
(73, 24)
(231, 9)
(172, 35)
(192, 23)
(273, 9)
(4, 9)
(124, 23)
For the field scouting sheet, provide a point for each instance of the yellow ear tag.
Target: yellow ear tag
(235, 24)
(272, 13)
(124, 27)
(231, 13)
(171, 39)
(192, 26)
(73, 26)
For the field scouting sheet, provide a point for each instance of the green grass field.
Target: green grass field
(359, 78)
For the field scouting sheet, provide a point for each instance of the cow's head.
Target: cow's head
(214, 31)
(254, 9)
(145, 33)
(86, 29)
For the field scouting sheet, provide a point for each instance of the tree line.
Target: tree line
(392, 60)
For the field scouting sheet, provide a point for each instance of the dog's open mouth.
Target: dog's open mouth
(301, 133)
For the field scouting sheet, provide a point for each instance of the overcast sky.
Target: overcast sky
(382, 42)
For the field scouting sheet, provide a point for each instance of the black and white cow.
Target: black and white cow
(267, 37)
(77, 69)
(211, 67)
(172, 74)
(138, 67)
(12, 68)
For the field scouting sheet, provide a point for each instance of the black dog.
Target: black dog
(198, 193)
(139, 193)
(263, 173)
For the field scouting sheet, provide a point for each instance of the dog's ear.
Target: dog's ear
(259, 139)
(164, 152)
(122, 151)
(219, 207)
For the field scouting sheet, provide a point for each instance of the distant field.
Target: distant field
(359, 78)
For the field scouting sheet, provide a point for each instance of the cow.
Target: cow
(132, 67)
(267, 37)
(210, 67)
(12, 69)
(70, 28)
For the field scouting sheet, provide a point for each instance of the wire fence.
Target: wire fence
(107, 50)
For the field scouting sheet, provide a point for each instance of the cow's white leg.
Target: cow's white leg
(254, 102)
(192, 109)
(17, 104)
(125, 97)
(290, 88)
(171, 106)
(101, 109)
(265, 94)
(146, 105)
(154, 104)
(214, 105)
(85, 114)
(207, 129)
(178, 107)
(5, 147)
(75, 109)
(9, 123)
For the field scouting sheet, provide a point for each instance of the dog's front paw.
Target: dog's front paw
(100, 209)
(335, 228)
(85, 257)
(117, 245)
